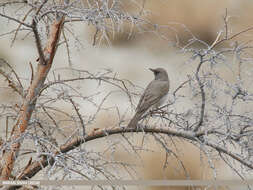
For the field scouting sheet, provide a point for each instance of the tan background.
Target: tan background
(132, 58)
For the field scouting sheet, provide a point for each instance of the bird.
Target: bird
(154, 95)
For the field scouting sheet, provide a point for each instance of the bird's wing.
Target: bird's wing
(152, 94)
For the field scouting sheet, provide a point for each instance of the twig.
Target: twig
(79, 116)
(36, 166)
(14, 72)
(12, 84)
(16, 20)
(18, 28)
(12, 2)
(203, 95)
(168, 151)
(95, 37)
(32, 74)
(30, 100)
(180, 86)
(67, 47)
(227, 38)
(38, 43)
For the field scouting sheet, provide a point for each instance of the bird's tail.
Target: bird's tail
(134, 121)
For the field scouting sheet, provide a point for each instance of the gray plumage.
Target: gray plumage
(153, 96)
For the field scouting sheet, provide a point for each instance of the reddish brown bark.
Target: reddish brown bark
(28, 106)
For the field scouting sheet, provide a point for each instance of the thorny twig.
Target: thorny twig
(79, 116)
(203, 95)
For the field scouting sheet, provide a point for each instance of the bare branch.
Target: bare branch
(203, 95)
(36, 166)
(17, 88)
(16, 20)
(18, 28)
(79, 116)
(30, 101)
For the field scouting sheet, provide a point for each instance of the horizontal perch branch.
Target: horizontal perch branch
(36, 166)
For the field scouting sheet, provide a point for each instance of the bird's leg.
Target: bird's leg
(151, 113)
(162, 113)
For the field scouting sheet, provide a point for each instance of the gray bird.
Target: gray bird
(153, 96)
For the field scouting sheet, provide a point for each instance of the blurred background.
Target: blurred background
(131, 57)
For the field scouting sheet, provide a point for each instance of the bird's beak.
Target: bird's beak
(153, 70)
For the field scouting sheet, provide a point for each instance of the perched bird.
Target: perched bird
(153, 96)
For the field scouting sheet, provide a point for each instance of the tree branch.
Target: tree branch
(203, 95)
(28, 106)
(16, 20)
(36, 166)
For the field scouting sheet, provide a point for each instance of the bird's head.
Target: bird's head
(160, 74)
